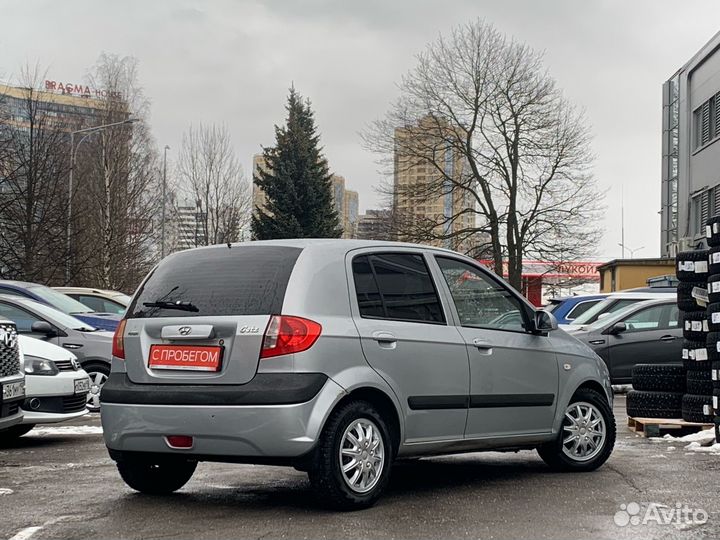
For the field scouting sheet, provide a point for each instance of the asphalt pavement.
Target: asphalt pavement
(58, 482)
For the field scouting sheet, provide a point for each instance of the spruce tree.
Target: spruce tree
(296, 181)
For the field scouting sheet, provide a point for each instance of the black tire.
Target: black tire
(717, 429)
(713, 317)
(713, 255)
(552, 452)
(713, 288)
(94, 368)
(156, 475)
(15, 432)
(695, 325)
(325, 473)
(712, 231)
(654, 404)
(699, 382)
(685, 300)
(659, 377)
(697, 408)
(712, 343)
(695, 355)
(715, 374)
(692, 266)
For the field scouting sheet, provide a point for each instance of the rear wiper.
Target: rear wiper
(180, 306)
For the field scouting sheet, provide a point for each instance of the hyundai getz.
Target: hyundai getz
(337, 357)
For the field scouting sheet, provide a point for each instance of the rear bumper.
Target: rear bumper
(239, 432)
(263, 389)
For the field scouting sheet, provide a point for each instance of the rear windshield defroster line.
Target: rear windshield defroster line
(242, 280)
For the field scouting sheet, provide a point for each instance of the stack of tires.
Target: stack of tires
(712, 234)
(658, 391)
(697, 273)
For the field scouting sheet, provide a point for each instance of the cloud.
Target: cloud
(232, 61)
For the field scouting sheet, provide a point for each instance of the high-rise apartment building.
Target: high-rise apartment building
(418, 207)
(350, 215)
(346, 201)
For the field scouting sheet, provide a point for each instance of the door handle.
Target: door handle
(481, 344)
(383, 337)
(667, 338)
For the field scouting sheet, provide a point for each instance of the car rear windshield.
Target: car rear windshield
(242, 280)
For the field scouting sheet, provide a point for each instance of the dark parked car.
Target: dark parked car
(648, 332)
(92, 347)
(61, 302)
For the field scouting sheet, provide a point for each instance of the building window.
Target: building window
(706, 122)
(704, 206)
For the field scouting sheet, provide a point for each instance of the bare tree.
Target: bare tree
(33, 184)
(117, 186)
(211, 176)
(519, 151)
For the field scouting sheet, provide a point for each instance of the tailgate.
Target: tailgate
(193, 350)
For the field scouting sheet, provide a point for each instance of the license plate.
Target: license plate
(13, 390)
(190, 357)
(82, 386)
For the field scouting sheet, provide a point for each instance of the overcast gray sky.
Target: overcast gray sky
(232, 61)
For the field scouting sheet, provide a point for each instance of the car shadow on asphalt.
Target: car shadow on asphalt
(31, 442)
(419, 478)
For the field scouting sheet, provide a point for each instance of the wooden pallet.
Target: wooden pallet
(656, 427)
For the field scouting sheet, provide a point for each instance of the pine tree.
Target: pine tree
(296, 181)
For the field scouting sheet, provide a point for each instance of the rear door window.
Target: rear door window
(242, 280)
(396, 286)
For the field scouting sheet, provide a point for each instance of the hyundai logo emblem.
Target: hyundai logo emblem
(185, 330)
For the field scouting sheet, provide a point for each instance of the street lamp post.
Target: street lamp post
(162, 212)
(631, 250)
(73, 153)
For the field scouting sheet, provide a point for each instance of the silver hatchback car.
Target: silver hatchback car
(337, 357)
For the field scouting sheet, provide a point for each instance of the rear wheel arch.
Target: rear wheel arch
(385, 406)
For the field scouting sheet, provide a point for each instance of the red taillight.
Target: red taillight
(118, 347)
(287, 335)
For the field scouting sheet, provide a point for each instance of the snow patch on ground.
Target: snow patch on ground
(66, 430)
(700, 441)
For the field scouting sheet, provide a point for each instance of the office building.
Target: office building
(66, 111)
(690, 156)
(375, 225)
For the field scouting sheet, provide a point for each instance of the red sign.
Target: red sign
(547, 269)
(82, 90)
(192, 357)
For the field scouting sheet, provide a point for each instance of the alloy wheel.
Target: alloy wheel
(362, 455)
(584, 431)
(97, 380)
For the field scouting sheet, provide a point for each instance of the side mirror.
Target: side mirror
(43, 327)
(545, 321)
(617, 328)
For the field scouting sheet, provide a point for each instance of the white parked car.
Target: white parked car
(56, 387)
(611, 305)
